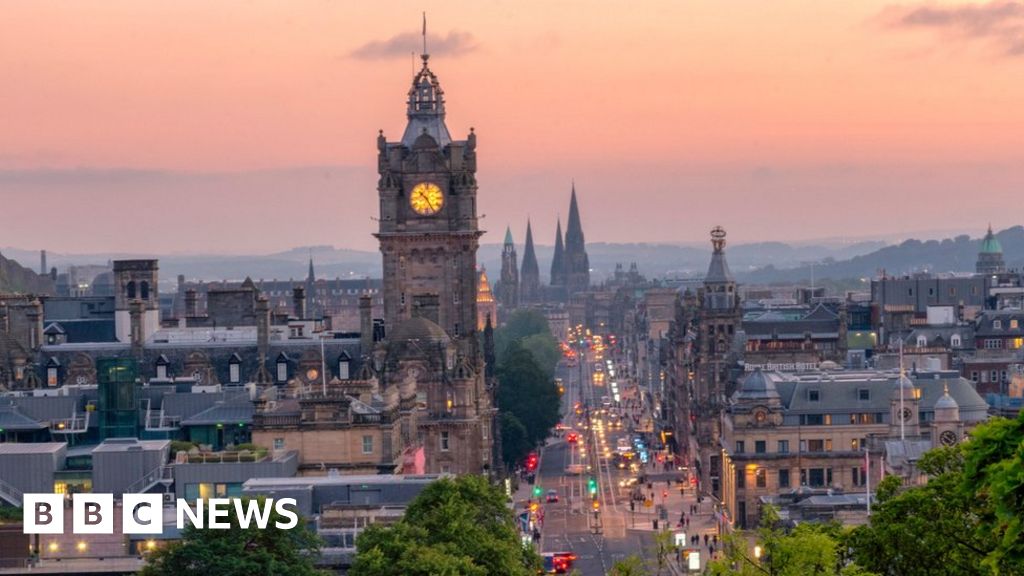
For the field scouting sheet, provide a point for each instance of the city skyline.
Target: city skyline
(252, 128)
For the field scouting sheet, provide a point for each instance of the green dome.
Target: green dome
(990, 245)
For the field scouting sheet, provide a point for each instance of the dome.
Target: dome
(418, 329)
(946, 401)
(757, 386)
(990, 245)
(903, 382)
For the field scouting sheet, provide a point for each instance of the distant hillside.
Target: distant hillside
(949, 255)
(16, 278)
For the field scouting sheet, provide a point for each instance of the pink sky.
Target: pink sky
(250, 126)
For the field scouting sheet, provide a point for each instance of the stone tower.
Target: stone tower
(558, 260)
(429, 235)
(136, 280)
(718, 319)
(508, 288)
(428, 223)
(577, 265)
(529, 277)
(990, 256)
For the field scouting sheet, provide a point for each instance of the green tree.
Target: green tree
(808, 549)
(529, 329)
(238, 551)
(454, 527)
(528, 393)
(630, 566)
(515, 444)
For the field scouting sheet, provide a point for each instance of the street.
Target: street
(593, 517)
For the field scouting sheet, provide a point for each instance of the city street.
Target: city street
(593, 518)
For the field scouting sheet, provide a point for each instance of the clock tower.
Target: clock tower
(428, 229)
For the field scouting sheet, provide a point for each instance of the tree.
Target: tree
(527, 393)
(630, 566)
(515, 444)
(808, 549)
(963, 522)
(454, 527)
(238, 551)
(529, 329)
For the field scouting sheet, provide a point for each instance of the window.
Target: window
(855, 444)
(783, 477)
(812, 419)
(858, 476)
(922, 342)
(282, 371)
(783, 447)
(740, 447)
(51, 377)
(828, 445)
(278, 443)
(954, 341)
(761, 478)
(974, 375)
(997, 324)
(343, 369)
(816, 477)
(741, 478)
(367, 444)
(161, 371)
(864, 394)
(445, 442)
(813, 395)
(815, 445)
(234, 375)
(760, 446)
(1013, 324)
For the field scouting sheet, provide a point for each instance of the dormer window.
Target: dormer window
(1014, 324)
(922, 341)
(282, 368)
(813, 395)
(161, 367)
(52, 373)
(344, 366)
(954, 341)
(997, 324)
(235, 369)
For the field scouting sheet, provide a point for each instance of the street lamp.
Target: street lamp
(757, 552)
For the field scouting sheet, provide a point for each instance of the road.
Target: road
(614, 532)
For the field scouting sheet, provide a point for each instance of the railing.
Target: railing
(227, 457)
(11, 494)
(160, 422)
(73, 425)
(161, 474)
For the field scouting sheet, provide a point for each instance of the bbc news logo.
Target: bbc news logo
(143, 513)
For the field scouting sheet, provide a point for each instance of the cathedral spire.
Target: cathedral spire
(577, 264)
(310, 276)
(558, 260)
(508, 236)
(530, 274)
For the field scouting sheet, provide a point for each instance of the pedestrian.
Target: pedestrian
(705, 539)
(687, 523)
(714, 539)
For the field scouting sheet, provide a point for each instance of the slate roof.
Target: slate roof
(12, 419)
(231, 412)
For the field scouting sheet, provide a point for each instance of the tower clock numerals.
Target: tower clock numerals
(948, 438)
(905, 414)
(426, 199)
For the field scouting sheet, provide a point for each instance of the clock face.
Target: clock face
(426, 199)
(760, 416)
(905, 414)
(948, 438)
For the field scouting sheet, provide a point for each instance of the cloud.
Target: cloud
(999, 22)
(400, 46)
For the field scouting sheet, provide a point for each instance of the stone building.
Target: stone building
(787, 432)
(486, 305)
(429, 236)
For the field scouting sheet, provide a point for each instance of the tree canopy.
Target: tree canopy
(528, 394)
(238, 551)
(456, 527)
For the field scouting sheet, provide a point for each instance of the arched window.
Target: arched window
(954, 341)
(922, 342)
(130, 289)
(144, 290)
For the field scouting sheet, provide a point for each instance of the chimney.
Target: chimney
(262, 328)
(43, 270)
(299, 302)
(135, 311)
(365, 323)
(35, 319)
(190, 303)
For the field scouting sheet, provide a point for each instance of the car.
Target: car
(574, 469)
(572, 437)
(552, 496)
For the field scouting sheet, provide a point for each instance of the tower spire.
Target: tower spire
(529, 276)
(558, 273)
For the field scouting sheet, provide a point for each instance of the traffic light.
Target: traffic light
(534, 506)
(592, 486)
(537, 491)
(596, 505)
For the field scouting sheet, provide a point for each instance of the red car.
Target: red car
(558, 562)
(572, 437)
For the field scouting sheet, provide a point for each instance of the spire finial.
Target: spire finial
(425, 55)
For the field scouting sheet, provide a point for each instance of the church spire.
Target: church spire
(577, 264)
(310, 276)
(508, 236)
(530, 272)
(558, 260)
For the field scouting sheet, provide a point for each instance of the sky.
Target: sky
(172, 126)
